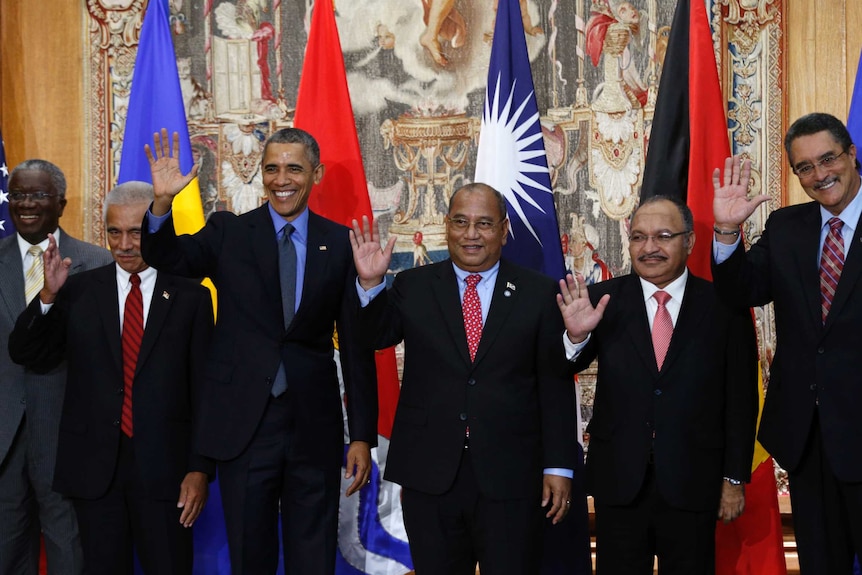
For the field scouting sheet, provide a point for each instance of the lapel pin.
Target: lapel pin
(322, 248)
(166, 295)
(510, 285)
(507, 293)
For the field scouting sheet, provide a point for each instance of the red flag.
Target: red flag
(688, 141)
(323, 109)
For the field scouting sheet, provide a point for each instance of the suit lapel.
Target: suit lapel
(637, 322)
(107, 303)
(849, 276)
(445, 289)
(265, 247)
(804, 245)
(316, 264)
(688, 322)
(12, 280)
(164, 294)
(502, 303)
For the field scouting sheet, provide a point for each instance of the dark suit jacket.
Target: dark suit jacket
(240, 254)
(83, 328)
(812, 360)
(516, 397)
(702, 406)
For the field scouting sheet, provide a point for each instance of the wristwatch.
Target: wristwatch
(734, 482)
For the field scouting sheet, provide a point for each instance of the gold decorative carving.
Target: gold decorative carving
(747, 18)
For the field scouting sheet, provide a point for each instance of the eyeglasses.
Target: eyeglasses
(659, 238)
(482, 226)
(34, 196)
(807, 170)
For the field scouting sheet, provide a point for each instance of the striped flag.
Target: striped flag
(371, 534)
(511, 158)
(688, 141)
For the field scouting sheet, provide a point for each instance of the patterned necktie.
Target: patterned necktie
(133, 332)
(472, 310)
(287, 274)
(831, 264)
(662, 328)
(34, 279)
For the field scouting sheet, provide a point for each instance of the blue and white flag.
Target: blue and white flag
(511, 156)
(7, 228)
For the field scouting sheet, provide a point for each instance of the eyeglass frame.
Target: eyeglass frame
(39, 196)
(809, 169)
(660, 238)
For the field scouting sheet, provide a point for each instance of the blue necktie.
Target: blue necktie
(287, 278)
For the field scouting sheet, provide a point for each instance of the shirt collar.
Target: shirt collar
(676, 288)
(487, 275)
(24, 245)
(123, 276)
(850, 215)
(300, 224)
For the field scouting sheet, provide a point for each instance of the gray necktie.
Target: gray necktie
(287, 277)
(287, 273)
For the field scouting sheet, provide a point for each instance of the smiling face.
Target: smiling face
(123, 226)
(833, 187)
(473, 250)
(659, 262)
(288, 177)
(34, 219)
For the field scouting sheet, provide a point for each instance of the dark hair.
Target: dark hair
(58, 180)
(819, 122)
(296, 136)
(477, 186)
(684, 210)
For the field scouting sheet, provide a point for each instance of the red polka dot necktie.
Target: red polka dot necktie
(133, 332)
(472, 310)
(831, 264)
(662, 328)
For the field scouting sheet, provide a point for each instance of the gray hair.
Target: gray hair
(127, 193)
(58, 180)
(296, 136)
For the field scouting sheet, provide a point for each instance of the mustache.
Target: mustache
(653, 256)
(822, 184)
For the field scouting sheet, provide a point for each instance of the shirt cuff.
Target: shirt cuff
(560, 471)
(365, 297)
(721, 252)
(573, 350)
(45, 307)
(155, 222)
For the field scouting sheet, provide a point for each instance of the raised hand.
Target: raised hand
(168, 180)
(731, 205)
(579, 315)
(56, 271)
(371, 260)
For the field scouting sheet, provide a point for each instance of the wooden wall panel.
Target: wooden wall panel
(41, 86)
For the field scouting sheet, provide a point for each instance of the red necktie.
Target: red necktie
(472, 310)
(662, 328)
(831, 264)
(133, 331)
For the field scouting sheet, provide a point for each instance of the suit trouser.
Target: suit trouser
(272, 474)
(629, 537)
(827, 512)
(126, 517)
(28, 504)
(450, 533)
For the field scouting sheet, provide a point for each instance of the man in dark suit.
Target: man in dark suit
(272, 411)
(30, 403)
(672, 431)
(125, 454)
(486, 404)
(803, 263)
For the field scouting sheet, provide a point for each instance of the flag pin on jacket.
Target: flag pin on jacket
(322, 248)
(510, 287)
(166, 295)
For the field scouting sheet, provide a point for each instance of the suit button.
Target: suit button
(463, 417)
(268, 381)
(116, 423)
(471, 381)
(23, 400)
(813, 387)
(820, 350)
(657, 392)
(119, 391)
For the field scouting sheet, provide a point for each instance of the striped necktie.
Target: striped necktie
(133, 333)
(34, 279)
(831, 264)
